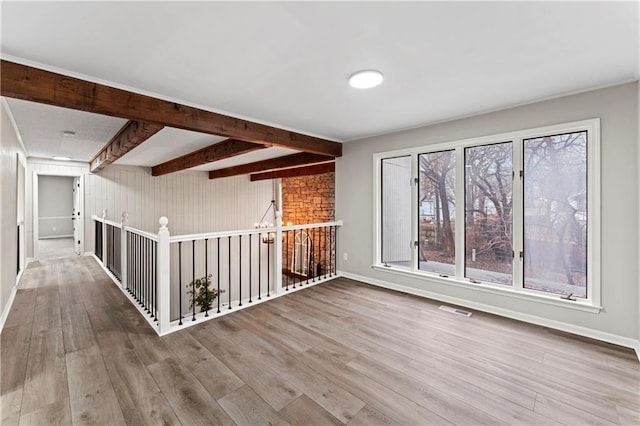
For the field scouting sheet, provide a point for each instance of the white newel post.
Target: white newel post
(277, 246)
(123, 250)
(104, 237)
(164, 271)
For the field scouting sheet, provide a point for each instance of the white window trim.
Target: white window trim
(593, 301)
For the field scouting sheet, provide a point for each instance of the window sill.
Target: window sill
(553, 300)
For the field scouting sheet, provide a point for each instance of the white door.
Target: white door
(77, 229)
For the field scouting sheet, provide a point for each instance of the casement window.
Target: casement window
(514, 214)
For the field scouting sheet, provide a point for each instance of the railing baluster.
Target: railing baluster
(229, 271)
(180, 281)
(206, 277)
(193, 282)
(240, 269)
(268, 267)
(250, 269)
(312, 268)
(293, 259)
(286, 267)
(331, 251)
(218, 272)
(259, 265)
(145, 277)
(155, 281)
(326, 253)
(308, 255)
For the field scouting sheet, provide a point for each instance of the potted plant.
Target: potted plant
(201, 293)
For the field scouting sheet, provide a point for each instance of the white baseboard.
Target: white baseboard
(532, 319)
(7, 307)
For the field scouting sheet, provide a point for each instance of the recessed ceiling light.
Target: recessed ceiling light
(68, 133)
(366, 79)
(62, 158)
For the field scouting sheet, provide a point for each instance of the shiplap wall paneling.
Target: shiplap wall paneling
(192, 202)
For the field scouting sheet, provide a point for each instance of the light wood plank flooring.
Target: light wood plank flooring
(74, 351)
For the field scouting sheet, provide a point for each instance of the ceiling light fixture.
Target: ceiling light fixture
(68, 133)
(366, 79)
(62, 158)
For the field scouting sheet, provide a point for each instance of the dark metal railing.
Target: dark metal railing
(113, 257)
(98, 239)
(141, 260)
(308, 253)
(220, 272)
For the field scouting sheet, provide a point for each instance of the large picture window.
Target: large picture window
(515, 212)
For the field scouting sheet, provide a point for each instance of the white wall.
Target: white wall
(11, 153)
(55, 206)
(617, 107)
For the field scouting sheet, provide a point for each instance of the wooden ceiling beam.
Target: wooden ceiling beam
(132, 134)
(314, 169)
(37, 85)
(292, 160)
(219, 151)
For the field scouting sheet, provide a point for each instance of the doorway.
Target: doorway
(58, 220)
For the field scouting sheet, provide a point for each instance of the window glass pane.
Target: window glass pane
(488, 213)
(396, 211)
(436, 203)
(555, 214)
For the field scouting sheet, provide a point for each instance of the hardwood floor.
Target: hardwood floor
(74, 351)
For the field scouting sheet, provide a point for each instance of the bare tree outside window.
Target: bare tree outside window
(555, 214)
(488, 213)
(436, 227)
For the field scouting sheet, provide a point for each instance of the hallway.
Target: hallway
(74, 351)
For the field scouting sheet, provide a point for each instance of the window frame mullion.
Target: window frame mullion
(415, 233)
(517, 213)
(461, 207)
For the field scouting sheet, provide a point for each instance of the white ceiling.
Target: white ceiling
(287, 63)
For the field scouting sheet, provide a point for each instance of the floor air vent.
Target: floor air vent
(455, 311)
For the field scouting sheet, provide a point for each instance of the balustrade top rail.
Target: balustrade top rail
(127, 228)
(211, 235)
(252, 231)
(145, 234)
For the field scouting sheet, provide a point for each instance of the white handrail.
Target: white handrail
(210, 235)
(96, 218)
(112, 223)
(311, 225)
(142, 233)
(253, 231)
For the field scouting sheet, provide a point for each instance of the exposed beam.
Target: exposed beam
(218, 151)
(292, 160)
(37, 85)
(128, 137)
(315, 169)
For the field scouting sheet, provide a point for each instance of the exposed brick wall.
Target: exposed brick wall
(308, 199)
